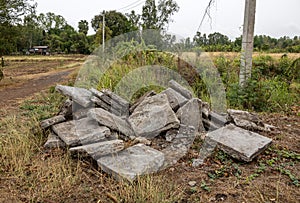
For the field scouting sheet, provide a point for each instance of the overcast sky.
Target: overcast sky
(275, 18)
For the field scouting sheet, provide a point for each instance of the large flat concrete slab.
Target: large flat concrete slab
(239, 143)
(132, 162)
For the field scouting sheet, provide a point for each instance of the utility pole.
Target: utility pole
(247, 42)
(103, 32)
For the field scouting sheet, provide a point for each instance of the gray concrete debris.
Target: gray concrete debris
(132, 162)
(249, 121)
(153, 116)
(182, 90)
(190, 114)
(66, 109)
(210, 126)
(80, 132)
(239, 143)
(175, 99)
(112, 121)
(99, 149)
(139, 100)
(79, 95)
(112, 108)
(53, 142)
(207, 148)
(179, 145)
(80, 113)
(217, 118)
(52, 121)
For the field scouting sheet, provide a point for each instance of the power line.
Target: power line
(206, 13)
(126, 7)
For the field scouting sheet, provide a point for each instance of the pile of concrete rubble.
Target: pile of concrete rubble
(128, 140)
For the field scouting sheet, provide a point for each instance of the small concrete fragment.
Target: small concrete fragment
(153, 116)
(180, 89)
(83, 131)
(176, 100)
(249, 121)
(53, 142)
(52, 121)
(218, 119)
(66, 109)
(79, 95)
(190, 114)
(239, 143)
(96, 150)
(132, 162)
(112, 121)
(142, 98)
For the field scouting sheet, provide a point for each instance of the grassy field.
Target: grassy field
(29, 173)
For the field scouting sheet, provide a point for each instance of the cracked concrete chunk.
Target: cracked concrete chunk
(83, 131)
(79, 95)
(176, 100)
(96, 150)
(132, 162)
(246, 120)
(112, 121)
(52, 121)
(142, 98)
(239, 143)
(180, 89)
(190, 114)
(153, 116)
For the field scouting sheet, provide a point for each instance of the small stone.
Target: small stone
(142, 140)
(180, 89)
(52, 121)
(192, 183)
(132, 162)
(79, 95)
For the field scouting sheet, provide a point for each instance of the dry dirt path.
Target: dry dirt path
(10, 95)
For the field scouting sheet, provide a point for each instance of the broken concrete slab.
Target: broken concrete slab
(247, 120)
(83, 131)
(79, 95)
(180, 145)
(153, 116)
(112, 121)
(99, 149)
(180, 89)
(132, 162)
(52, 121)
(80, 113)
(113, 108)
(190, 114)
(210, 126)
(207, 148)
(175, 99)
(142, 98)
(53, 141)
(239, 143)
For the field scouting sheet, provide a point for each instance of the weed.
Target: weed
(205, 186)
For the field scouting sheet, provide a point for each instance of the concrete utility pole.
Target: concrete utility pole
(247, 42)
(103, 32)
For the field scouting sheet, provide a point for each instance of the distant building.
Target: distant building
(42, 50)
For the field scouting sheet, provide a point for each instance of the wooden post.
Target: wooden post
(247, 42)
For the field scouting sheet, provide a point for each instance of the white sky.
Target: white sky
(275, 18)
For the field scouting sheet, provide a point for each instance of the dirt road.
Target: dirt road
(10, 95)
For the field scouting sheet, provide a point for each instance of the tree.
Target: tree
(83, 26)
(115, 21)
(158, 17)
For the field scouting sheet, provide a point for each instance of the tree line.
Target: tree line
(21, 28)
